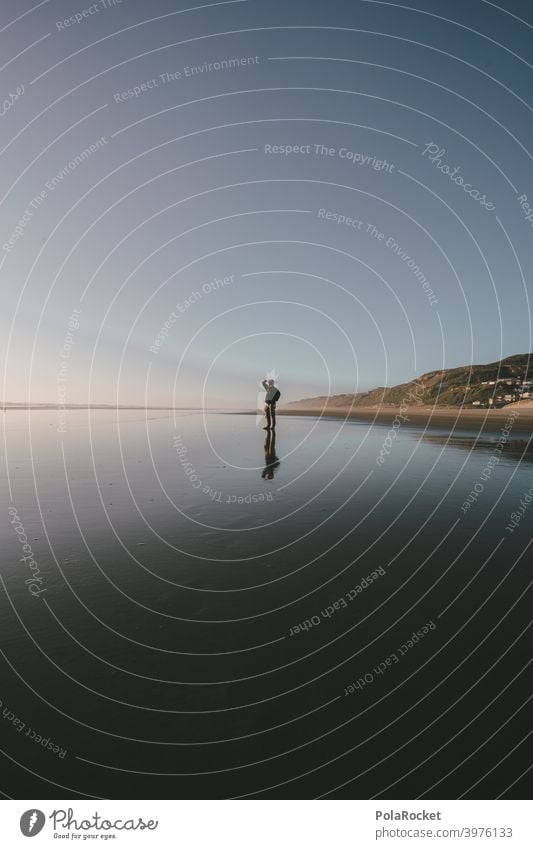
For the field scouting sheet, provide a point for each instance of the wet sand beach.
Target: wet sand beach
(210, 597)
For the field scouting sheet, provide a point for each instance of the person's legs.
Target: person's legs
(267, 414)
(273, 414)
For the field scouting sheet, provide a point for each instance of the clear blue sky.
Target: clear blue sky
(191, 183)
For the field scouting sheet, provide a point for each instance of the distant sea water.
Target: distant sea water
(192, 607)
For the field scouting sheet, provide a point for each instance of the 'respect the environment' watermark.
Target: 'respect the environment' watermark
(367, 228)
(370, 229)
(35, 581)
(182, 307)
(390, 661)
(49, 187)
(339, 604)
(168, 77)
(392, 245)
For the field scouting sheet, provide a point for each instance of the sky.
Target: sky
(197, 195)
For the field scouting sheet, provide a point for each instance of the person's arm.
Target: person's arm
(265, 385)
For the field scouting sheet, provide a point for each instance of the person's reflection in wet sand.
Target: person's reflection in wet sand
(271, 460)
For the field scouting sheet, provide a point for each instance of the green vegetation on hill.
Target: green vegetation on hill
(454, 387)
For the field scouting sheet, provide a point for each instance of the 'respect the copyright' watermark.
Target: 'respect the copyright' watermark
(354, 157)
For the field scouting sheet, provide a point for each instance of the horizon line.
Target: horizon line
(50, 405)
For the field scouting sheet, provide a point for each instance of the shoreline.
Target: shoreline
(447, 418)
(419, 418)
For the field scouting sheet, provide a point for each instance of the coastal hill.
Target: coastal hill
(494, 384)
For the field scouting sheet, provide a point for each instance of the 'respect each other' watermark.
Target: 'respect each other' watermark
(184, 306)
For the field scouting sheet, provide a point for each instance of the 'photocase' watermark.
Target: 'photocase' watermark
(435, 155)
(35, 581)
(399, 419)
(9, 101)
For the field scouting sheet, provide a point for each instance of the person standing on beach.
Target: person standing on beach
(271, 398)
